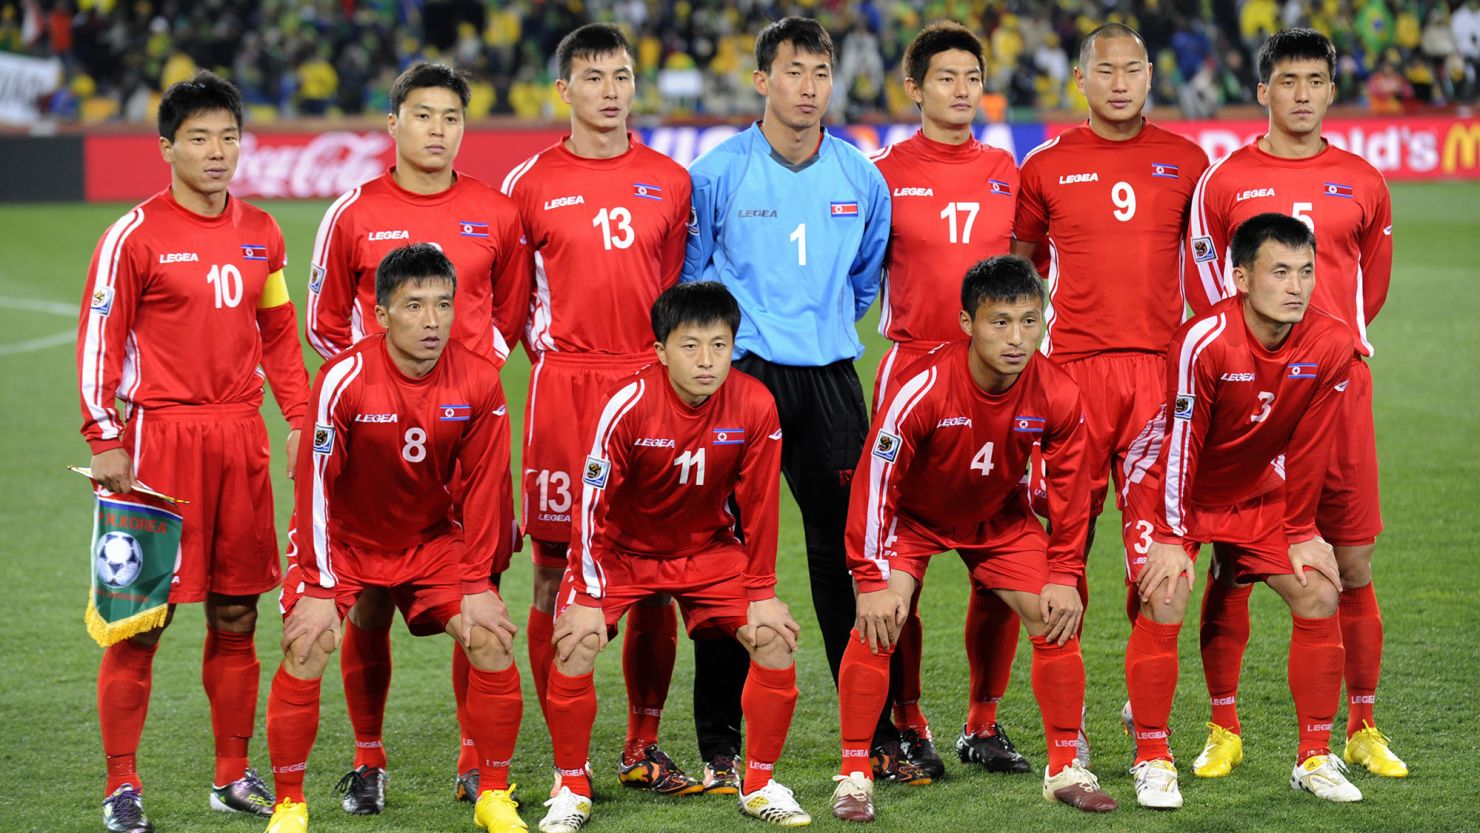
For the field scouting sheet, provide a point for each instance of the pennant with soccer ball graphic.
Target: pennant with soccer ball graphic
(134, 551)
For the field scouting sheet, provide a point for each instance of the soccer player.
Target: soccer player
(952, 204)
(399, 420)
(1103, 212)
(605, 217)
(185, 299)
(796, 222)
(943, 471)
(1258, 377)
(1292, 170)
(422, 198)
(672, 447)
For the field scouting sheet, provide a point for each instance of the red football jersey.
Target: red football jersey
(172, 315)
(1234, 407)
(608, 237)
(1338, 194)
(383, 453)
(951, 206)
(944, 457)
(1109, 219)
(660, 475)
(475, 226)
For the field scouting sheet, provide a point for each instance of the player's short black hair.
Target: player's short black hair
(940, 36)
(803, 33)
(416, 263)
(1004, 279)
(1295, 45)
(427, 74)
(1254, 232)
(702, 303)
(204, 93)
(1109, 30)
(589, 41)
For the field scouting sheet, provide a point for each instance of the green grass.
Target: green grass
(1428, 418)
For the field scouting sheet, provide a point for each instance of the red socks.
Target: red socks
(648, 652)
(292, 725)
(769, 699)
(541, 632)
(991, 645)
(1224, 636)
(365, 666)
(1058, 684)
(863, 688)
(123, 702)
(1315, 680)
(467, 750)
(571, 710)
(494, 709)
(1361, 633)
(230, 672)
(1151, 676)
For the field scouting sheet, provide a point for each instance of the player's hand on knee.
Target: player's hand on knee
(879, 618)
(486, 610)
(1316, 554)
(1165, 564)
(113, 470)
(1061, 608)
(313, 622)
(579, 626)
(771, 615)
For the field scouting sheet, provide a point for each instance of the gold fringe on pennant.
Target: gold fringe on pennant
(106, 633)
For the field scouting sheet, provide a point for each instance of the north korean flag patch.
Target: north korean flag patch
(886, 446)
(1337, 190)
(1302, 370)
(596, 472)
(455, 413)
(250, 252)
(468, 228)
(999, 187)
(845, 209)
(729, 436)
(1028, 424)
(647, 192)
(1164, 170)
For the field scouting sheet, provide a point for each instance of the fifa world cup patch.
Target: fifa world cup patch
(1202, 250)
(1184, 405)
(596, 472)
(693, 221)
(315, 278)
(102, 300)
(886, 446)
(323, 438)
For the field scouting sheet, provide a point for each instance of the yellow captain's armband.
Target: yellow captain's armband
(274, 292)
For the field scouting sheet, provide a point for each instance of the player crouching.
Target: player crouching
(945, 456)
(1257, 378)
(394, 417)
(672, 445)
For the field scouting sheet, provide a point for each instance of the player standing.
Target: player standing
(1255, 378)
(606, 219)
(672, 448)
(952, 204)
(1292, 170)
(185, 299)
(796, 222)
(943, 471)
(400, 420)
(1104, 212)
(422, 198)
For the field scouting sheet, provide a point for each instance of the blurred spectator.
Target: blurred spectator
(1387, 89)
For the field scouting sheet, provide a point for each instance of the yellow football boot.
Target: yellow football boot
(498, 812)
(1223, 751)
(288, 817)
(1369, 748)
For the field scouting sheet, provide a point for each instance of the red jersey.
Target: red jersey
(475, 226)
(661, 472)
(1338, 194)
(174, 313)
(383, 454)
(1113, 216)
(951, 206)
(608, 237)
(1234, 407)
(944, 457)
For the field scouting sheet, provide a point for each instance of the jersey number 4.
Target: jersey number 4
(982, 462)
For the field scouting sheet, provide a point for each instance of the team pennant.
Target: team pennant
(135, 547)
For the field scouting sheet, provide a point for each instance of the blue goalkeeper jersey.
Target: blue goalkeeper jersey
(800, 246)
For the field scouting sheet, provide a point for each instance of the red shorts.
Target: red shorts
(566, 392)
(424, 581)
(217, 457)
(1349, 514)
(892, 366)
(1248, 538)
(708, 585)
(1119, 393)
(1016, 558)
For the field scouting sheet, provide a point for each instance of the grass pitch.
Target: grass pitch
(1428, 422)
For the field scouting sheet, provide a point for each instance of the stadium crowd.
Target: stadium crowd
(296, 58)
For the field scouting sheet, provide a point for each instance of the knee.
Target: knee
(234, 614)
(1355, 566)
(769, 649)
(1162, 612)
(486, 652)
(316, 657)
(1318, 600)
(582, 659)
